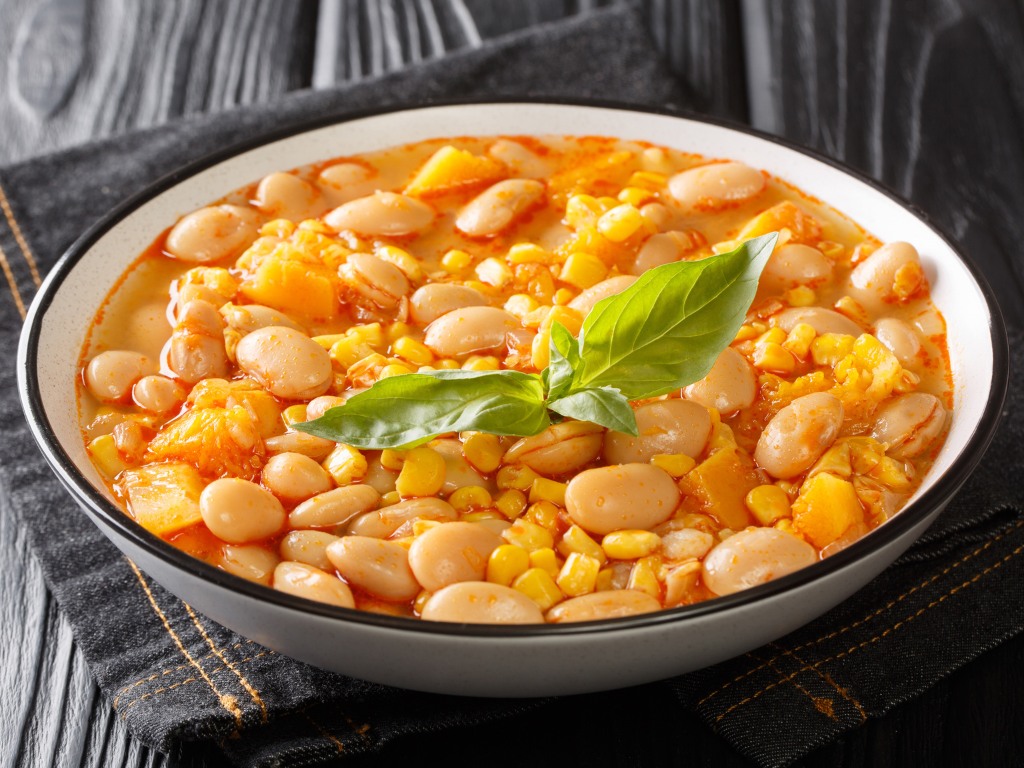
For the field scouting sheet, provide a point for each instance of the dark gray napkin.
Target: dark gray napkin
(173, 675)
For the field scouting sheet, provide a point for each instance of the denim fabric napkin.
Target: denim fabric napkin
(173, 675)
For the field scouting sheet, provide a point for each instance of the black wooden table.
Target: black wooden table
(926, 96)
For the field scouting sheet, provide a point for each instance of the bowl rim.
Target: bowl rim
(80, 488)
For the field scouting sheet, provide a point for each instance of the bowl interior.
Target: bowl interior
(68, 310)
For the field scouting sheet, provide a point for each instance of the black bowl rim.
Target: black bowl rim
(76, 483)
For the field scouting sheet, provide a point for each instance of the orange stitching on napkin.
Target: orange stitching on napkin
(228, 702)
(213, 671)
(854, 648)
(823, 705)
(870, 616)
(11, 282)
(828, 679)
(323, 732)
(216, 652)
(19, 238)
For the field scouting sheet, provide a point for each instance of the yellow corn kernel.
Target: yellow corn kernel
(548, 490)
(527, 535)
(422, 473)
(414, 351)
(635, 196)
(349, 350)
(470, 497)
(540, 350)
(583, 270)
(801, 296)
(768, 503)
(563, 296)
(774, 357)
(528, 253)
(481, 363)
(539, 586)
(293, 414)
(908, 280)
(370, 333)
(830, 348)
(799, 339)
(420, 601)
(630, 544)
(570, 318)
(392, 459)
(520, 305)
(578, 575)
(577, 540)
(402, 259)
(644, 578)
(746, 333)
(511, 503)
(772, 336)
(281, 228)
(676, 464)
(328, 340)
(786, 525)
(448, 364)
(455, 261)
(103, 451)
(620, 223)
(389, 498)
(345, 464)
(536, 317)
(826, 507)
(482, 514)
(546, 559)
(582, 210)
(393, 369)
(516, 476)
(493, 271)
(831, 249)
(853, 309)
(648, 180)
(605, 580)
(419, 527)
(543, 513)
(483, 451)
(507, 563)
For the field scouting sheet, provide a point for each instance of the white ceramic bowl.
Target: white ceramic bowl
(488, 660)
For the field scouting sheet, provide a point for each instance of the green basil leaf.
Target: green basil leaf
(667, 329)
(605, 406)
(404, 411)
(564, 360)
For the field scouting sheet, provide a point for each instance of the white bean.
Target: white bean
(586, 300)
(286, 362)
(286, 196)
(452, 552)
(238, 511)
(309, 547)
(387, 520)
(621, 496)
(517, 157)
(249, 561)
(458, 471)
(798, 434)
(498, 206)
(435, 299)
(793, 265)
(334, 508)
(730, 385)
(382, 213)
(665, 426)
(311, 583)
(293, 477)
(610, 604)
(299, 442)
(470, 329)
(559, 449)
(900, 338)
(196, 350)
(874, 278)
(376, 566)
(213, 233)
(374, 280)
(318, 406)
(908, 424)
(820, 319)
(157, 394)
(754, 556)
(246, 318)
(343, 175)
(480, 602)
(662, 248)
(715, 186)
(109, 376)
(685, 544)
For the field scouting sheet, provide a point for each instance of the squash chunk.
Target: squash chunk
(803, 228)
(163, 498)
(721, 483)
(218, 441)
(292, 287)
(826, 507)
(450, 168)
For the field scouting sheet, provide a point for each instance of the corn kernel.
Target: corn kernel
(566, 316)
(493, 271)
(605, 580)
(853, 309)
(481, 363)
(393, 370)
(448, 364)
(507, 563)
(544, 514)
(577, 540)
(483, 451)
(546, 559)
(349, 350)
(412, 350)
(370, 333)
(511, 503)
(676, 464)
(563, 296)
(293, 414)
(419, 527)
(402, 259)
(540, 350)
(520, 305)
(648, 180)
(539, 586)
(548, 490)
(516, 476)
(746, 333)
(482, 514)
(470, 497)
(768, 503)
(392, 459)
(103, 451)
(635, 196)
(422, 473)
(620, 223)
(774, 357)
(830, 348)
(527, 535)
(799, 339)
(389, 498)
(908, 280)
(535, 318)
(582, 210)
(345, 464)
(644, 578)
(528, 253)
(583, 270)
(578, 575)
(281, 228)
(328, 340)
(630, 544)
(456, 261)
(801, 296)
(772, 336)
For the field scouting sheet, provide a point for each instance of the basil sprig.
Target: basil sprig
(663, 332)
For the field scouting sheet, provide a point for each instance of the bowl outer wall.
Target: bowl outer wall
(57, 328)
